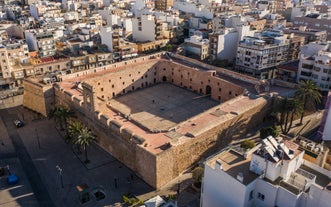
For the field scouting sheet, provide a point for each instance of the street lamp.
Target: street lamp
(60, 173)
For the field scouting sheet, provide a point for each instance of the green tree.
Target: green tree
(197, 175)
(307, 92)
(74, 129)
(247, 144)
(269, 131)
(286, 109)
(85, 138)
(61, 114)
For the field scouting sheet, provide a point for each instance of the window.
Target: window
(251, 195)
(260, 196)
(307, 66)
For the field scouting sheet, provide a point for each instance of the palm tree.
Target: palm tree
(307, 92)
(286, 109)
(84, 139)
(74, 130)
(57, 115)
(61, 115)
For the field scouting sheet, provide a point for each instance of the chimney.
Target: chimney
(240, 177)
(218, 165)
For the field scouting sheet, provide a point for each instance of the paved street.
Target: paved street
(35, 150)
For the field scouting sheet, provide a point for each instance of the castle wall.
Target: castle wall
(124, 81)
(178, 158)
(120, 142)
(38, 97)
(198, 80)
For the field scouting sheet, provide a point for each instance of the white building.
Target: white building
(257, 56)
(198, 10)
(326, 129)
(223, 44)
(272, 174)
(197, 46)
(41, 41)
(146, 28)
(106, 35)
(315, 64)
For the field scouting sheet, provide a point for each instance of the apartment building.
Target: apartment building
(13, 53)
(274, 173)
(163, 4)
(310, 35)
(222, 43)
(146, 28)
(315, 64)
(295, 44)
(196, 46)
(41, 41)
(106, 35)
(315, 21)
(258, 56)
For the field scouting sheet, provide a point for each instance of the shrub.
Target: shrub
(197, 174)
(247, 144)
(269, 131)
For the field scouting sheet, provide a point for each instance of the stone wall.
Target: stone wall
(137, 76)
(199, 81)
(178, 158)
(114, 138)
(38, 97)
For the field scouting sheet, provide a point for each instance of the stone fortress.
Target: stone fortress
(158, 114)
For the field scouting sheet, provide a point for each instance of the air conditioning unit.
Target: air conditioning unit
(303, 143)
(310, 146)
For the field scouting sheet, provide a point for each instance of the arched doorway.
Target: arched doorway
(208, 90)
(164, 78)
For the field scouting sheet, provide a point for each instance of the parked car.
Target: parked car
(18, 123)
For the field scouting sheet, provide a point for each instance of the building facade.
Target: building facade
(259, 56)
(13, 55)
(273, 173)
(41, 41)
(315, 64)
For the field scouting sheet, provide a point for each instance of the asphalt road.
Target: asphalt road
(39, 189)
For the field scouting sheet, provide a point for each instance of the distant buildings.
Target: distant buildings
(310, 35)
(13, 54)
(315, 64)
(314, 21)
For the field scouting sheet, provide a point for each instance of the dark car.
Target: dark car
(18, 123)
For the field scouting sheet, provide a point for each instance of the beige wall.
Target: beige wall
(139, 76)
(38, 97)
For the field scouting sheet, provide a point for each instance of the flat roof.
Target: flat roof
(233, 163)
